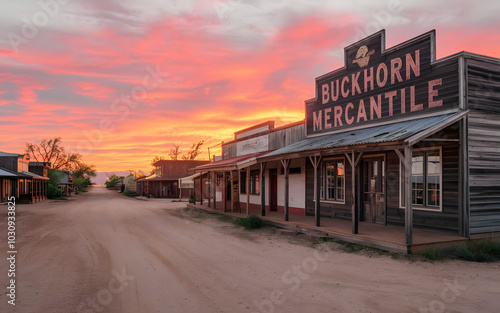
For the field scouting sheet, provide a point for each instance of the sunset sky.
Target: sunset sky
(123, 80)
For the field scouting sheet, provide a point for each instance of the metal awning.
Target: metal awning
(34, 176)
(188, 181)
(5, 173)
(231, 164)
(407, 132)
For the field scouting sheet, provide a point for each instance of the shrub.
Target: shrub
(129, 193)
(250, 222)
(53, 192)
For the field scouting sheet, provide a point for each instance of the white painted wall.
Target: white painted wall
(297, 185)
(252, 145)
(297, 190)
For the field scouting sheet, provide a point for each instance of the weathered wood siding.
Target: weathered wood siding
(286, 136)
(483, 100)
(448, 218)
(329, 209)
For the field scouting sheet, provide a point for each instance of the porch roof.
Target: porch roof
(35, 176)
(231, 163)
(407, 132)
(157, 178)
(11, 174)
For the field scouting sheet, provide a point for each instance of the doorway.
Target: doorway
(374, 190)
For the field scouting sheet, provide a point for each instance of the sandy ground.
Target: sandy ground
(104, 252)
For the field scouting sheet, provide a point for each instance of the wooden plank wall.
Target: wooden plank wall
(448, 218)
(327, 209)
(286, 136)
(483, 101)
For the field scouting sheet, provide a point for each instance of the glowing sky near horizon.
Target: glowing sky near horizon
(122, 81)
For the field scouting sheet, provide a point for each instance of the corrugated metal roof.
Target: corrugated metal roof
(33, 175)
(8, 173)
(227, 163)
(378, 134)
(9, 154)
(4, 173)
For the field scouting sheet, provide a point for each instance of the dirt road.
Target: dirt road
(104, 252)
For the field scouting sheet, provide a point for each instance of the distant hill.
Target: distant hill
(101, 177)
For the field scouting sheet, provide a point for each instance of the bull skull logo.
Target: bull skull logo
(363, 56)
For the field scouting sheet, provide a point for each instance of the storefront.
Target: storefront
(237, 182)
(398, 137)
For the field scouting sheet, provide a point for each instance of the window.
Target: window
(425, 179)
(332, 181)
(243, 182)
(254, 182)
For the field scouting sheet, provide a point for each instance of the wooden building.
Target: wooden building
(18, 180)
(164, 183)
(398, 137)
(234, 183)
(394, 137)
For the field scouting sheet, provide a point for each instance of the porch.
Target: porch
(385, 237)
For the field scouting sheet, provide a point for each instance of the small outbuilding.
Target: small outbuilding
(164, 182)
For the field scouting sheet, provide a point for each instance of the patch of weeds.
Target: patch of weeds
(129, 193)
(433, 254)
(476, 251)
(225, 218)
(250, 222)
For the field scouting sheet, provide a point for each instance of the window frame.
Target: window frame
(424, 207)
(323, 187)
(254, 188)
(243, 182)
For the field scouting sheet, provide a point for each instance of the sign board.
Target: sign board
(252, 145)
(381, 86)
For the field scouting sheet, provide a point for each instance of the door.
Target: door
(273, 190)
(374, 190)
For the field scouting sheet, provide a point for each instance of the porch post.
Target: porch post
(286, 165)
(231, 192)
(214, 190)
(354, 212)
(262, 189)
(408, 197)
(316, 162)
(247, 183)
(209, 190)
(224, 191)
(201, 188)
(463, 185)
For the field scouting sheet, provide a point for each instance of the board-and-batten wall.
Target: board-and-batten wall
(483, 100)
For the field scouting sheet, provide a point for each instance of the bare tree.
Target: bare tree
(194, 151)
(174, 152)
(51, 150)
